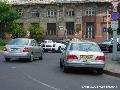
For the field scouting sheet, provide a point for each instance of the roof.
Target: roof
(16, 2)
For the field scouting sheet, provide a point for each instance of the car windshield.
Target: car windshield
(84, 47)
(106, 42)
(19, 42)
(47, 41)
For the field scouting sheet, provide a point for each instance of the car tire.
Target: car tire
(61, 65)
(100, 71)
(41, 57)
(65, 69)
(59, 49)
(7, 59)
(31, 58)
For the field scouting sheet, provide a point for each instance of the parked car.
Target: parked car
(82, 54)
(107, 45)
(49, 45)
(23, 48)
(64, 41)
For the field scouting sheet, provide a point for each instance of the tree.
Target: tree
(7, 16)
(17, 30)
(36, 32)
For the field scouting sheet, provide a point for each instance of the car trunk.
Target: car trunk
(15, 48)
(85, 55)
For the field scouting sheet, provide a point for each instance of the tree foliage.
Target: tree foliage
(17, 30)
(7, 16)
(36, 32)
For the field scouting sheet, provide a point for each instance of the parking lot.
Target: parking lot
(46, 75)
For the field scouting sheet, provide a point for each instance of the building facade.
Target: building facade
(80, 19)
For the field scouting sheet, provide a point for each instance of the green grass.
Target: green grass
(1, 47)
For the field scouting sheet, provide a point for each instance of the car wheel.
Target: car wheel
(41, 57)
(61, 66)
(7, 59)
(46, 50)
(31, 58)
(100, 71)
(59, 49)
(64, 69)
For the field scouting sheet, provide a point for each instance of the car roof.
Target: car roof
(24, 38)
(82, 41)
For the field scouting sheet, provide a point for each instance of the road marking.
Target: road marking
(39, 82)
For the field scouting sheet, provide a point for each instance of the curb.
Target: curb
(112, 73)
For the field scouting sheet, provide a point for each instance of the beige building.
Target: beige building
(75, 18)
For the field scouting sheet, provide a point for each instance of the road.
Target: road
(46, 75)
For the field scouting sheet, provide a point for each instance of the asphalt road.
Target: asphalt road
(46, 75)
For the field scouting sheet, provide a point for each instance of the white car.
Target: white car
(82, 54)
(49, 45)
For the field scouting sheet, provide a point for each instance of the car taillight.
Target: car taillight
(71, 57)
(26, 50)
(100, 58)
(53, 45)
(5, 49)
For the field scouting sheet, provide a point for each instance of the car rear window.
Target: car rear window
(84, 47)
(19, 42)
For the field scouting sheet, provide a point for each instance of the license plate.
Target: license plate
(86, 56)
(14, 50)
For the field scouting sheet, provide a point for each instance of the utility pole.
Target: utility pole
(114, 25)
(107, 24)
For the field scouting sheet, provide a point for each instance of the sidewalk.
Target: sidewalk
(112, 67)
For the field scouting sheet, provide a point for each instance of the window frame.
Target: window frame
(51, 13)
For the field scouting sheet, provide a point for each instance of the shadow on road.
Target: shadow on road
(82, 72)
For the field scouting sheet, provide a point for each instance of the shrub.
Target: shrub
(2, 42)
(36, 32)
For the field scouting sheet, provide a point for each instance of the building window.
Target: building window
(52, 13)
(90, 12)
(70, 13)
(20, 12)
(51, 28)
(90, 31)
(35, 13)
(70, 28)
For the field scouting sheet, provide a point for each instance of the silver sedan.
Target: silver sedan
(82, 54)
(23, 48)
